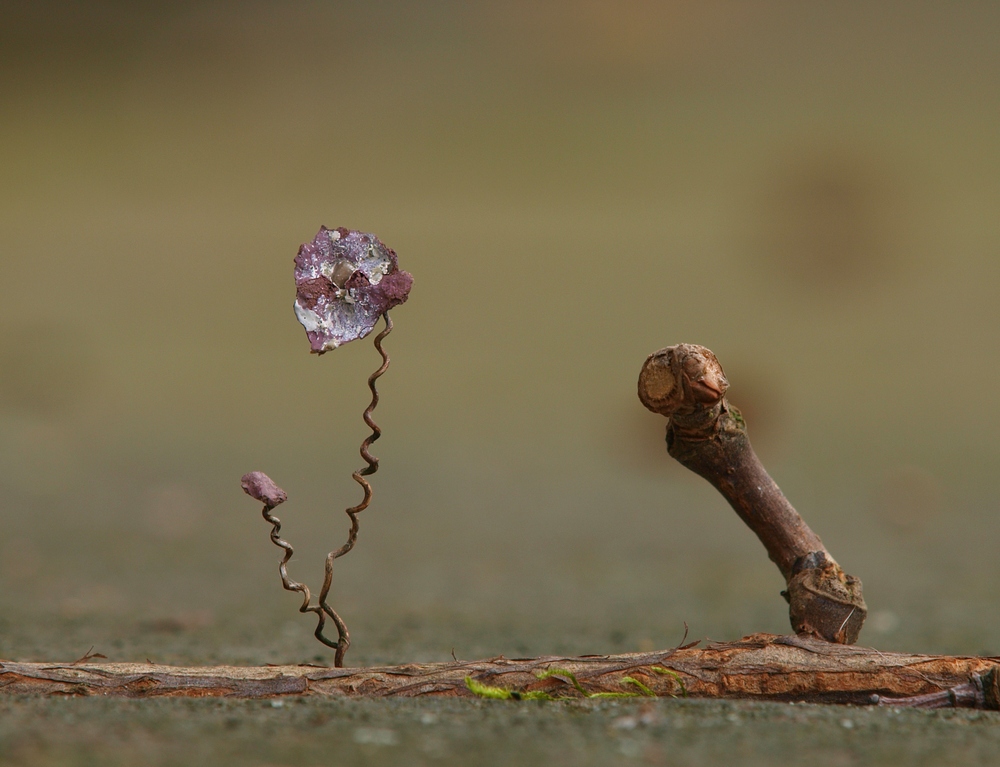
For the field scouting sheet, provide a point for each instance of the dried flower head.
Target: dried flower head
(345, 280)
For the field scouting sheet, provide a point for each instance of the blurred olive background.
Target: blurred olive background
(810, 190)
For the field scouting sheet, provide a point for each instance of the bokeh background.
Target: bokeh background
(810, 190)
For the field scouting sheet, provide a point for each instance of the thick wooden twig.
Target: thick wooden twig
(760, 666)
(708, 435)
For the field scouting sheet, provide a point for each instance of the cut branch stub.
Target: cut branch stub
(706, 434)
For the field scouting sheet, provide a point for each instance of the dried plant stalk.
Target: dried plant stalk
(344, 281)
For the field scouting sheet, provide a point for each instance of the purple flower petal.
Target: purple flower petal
(344, 281)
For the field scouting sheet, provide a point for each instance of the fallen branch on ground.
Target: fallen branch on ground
(760, 667)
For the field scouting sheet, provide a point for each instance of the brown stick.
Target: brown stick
(760, 666)
(706, 434)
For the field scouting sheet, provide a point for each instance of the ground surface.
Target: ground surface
(84, 731)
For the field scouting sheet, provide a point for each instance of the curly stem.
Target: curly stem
(260, 486)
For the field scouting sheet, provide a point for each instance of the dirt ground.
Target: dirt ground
(83, 731)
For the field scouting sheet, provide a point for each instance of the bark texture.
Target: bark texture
(760, 666)
(706, 434)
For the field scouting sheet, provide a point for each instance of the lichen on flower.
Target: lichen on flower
(344, 281)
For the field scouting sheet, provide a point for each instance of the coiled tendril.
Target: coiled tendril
(322, 608)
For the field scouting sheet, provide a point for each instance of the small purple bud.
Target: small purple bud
(344, 281)
(258, 485)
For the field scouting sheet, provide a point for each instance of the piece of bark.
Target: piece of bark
(708, 435)
(759, 666)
